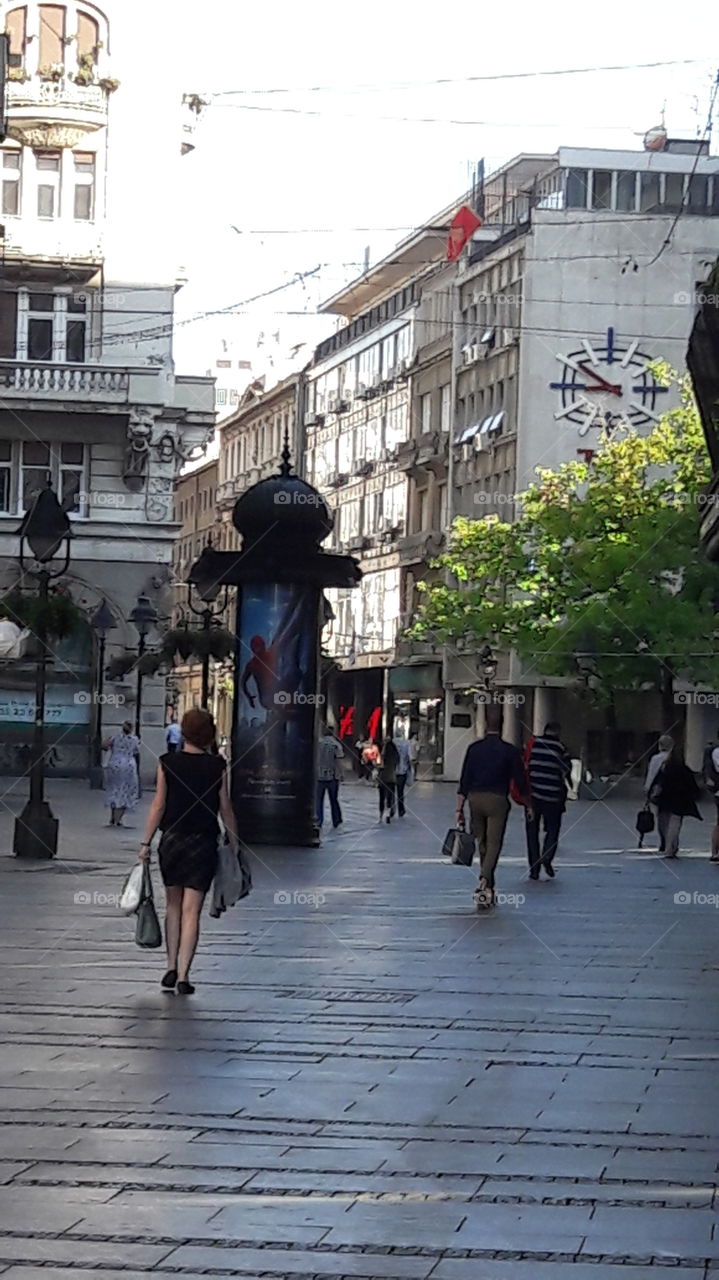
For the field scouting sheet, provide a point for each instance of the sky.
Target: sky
(316, 144)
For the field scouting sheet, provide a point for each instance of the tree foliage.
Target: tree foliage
(602, 559)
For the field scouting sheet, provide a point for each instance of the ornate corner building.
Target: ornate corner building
(89, 398)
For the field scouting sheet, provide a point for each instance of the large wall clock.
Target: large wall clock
(604, 385)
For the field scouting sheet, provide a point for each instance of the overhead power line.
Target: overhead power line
(484, 79)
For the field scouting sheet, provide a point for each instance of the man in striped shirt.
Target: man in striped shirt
(549, 767)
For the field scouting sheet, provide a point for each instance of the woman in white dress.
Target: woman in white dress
(122, 790)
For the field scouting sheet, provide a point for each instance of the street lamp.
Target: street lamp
(489, 666)
(45, 526)
(101, 622)
(143, 617)
(203, 577)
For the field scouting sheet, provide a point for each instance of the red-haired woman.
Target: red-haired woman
(191, 789)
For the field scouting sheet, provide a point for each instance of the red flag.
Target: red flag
(461, 229)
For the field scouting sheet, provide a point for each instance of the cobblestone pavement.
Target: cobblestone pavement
(372, 1080)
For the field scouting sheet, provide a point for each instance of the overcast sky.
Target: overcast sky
(315, 167)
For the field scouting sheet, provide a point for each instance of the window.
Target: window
(51, 326)
(422, 510)
(84, 206)
(72, 478)
(52, 33)
(445, 407)
(47, 166)
(11, 182)
(88, 36)
(5, 475)
(674, 191)
(602, 189)
(576, 188)
(234, 397)
(16, 27)
(35, 473)
(626, 192)
(425, 413)
(698, 196)
(649, 193)
(220, 395)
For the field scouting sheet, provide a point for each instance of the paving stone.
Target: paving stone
(381, 1062)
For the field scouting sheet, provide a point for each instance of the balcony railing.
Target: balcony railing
(26, 379)
(36, 95)
(60, 238)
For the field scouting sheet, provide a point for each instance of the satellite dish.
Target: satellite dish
(655, 138)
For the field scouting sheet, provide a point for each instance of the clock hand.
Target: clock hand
(602, 384)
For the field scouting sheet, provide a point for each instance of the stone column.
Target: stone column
(543, 707)
(511, 731)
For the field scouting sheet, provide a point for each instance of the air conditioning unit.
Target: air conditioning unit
(402, 370)
(481, 443)
(343, 406)
(471, 352)
(363, 392)
(333, 402)
(467, 451)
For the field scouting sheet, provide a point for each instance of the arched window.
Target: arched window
(16, 27)
(52, 35)
(88, 36)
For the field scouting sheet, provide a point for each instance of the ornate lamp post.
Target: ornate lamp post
(489, 667)
(143, 617)
(46, 527)
(203, 577)
(101, 622)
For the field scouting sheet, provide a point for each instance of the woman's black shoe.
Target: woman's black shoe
(169, 980)
(185, 989)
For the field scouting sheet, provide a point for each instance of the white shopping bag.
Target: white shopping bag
(131, 895)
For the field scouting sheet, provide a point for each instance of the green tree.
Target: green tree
(602, 559)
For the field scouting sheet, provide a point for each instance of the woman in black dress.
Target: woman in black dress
(191, 788)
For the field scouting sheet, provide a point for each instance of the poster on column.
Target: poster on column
(276, 697)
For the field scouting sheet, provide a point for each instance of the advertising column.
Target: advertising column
(276, 706)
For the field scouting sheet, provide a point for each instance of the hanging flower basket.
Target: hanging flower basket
(55, 618)
(149, 664)
(222, 644)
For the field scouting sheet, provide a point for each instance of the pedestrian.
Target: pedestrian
(388, 780)
(490, 765)
(122, 789)
(660, 757)
(404, 765)
(191, 789)
(549, 769)
(329, 774)
(173, 736)
(675, 791)
(710, 773)
(413, 754)
(370, 759)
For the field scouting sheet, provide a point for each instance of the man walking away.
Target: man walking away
(403, 768)
(656, 762)
(549, 767)
(710, 773)
(329, 773)
(173, 736)
(490, 766)
(388, 780)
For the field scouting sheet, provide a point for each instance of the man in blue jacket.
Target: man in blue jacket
(490, 766)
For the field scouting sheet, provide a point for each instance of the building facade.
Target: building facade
(91, 402)
(195, 511)
(595, 280)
